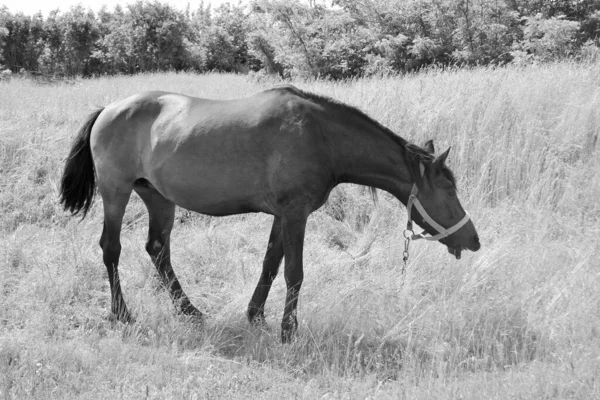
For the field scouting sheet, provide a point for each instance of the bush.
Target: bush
(549, 39)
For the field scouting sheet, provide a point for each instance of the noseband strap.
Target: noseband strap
(442, 232)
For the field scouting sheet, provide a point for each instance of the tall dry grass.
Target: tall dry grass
(518, 319)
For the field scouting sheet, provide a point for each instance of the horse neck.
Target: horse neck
(364, 154)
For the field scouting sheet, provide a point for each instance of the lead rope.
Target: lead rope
(407, 235)
(408, 232)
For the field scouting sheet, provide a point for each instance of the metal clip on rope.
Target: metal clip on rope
(408, 233)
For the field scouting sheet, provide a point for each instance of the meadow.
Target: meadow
(520, 319)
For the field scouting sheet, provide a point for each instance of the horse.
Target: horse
(280, 151)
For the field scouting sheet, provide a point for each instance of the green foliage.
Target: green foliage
(114, 50)
(219, 39)
(20, 38)
(338, 40)
(550, 39)
(80, 34)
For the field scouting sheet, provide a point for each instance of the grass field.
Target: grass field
(518, 319)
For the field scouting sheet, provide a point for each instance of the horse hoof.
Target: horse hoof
(287, 336)
(192, 311)
(258, 321)
(124, 318)
(260, 324)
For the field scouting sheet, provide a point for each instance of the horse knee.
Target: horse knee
(102, 238)
(111, 252)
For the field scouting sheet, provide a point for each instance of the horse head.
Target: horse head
(434, 205)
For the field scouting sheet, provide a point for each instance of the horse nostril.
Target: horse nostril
(476, 239)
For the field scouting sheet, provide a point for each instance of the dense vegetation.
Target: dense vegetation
(336, 39)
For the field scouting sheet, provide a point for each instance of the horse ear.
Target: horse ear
(429, 147)
(441, 160)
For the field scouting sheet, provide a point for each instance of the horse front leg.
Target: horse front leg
(293, 242)
(271, 263)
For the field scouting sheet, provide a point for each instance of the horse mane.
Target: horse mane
(414, 154)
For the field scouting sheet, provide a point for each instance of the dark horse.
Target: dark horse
(280, 152)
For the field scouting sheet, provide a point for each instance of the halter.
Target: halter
(442, 232)
(409, 234)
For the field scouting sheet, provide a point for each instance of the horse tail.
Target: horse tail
(78, 183)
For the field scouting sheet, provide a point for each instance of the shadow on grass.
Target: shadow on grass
(344, 352)
(485, 343)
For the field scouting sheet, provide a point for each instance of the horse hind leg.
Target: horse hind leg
(114, 202)
(162, 215)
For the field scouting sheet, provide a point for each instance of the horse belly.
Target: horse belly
(214, 189)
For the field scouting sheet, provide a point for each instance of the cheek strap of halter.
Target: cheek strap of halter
(442, 232)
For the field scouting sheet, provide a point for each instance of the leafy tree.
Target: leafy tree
(335, 39)
(80, 34)
(113, 52)
(157, 36)
(590, 27)
(310, 40)
(486, 30)
(3, 35)
(287, 26)
(549, 39)
(53, 56)
(16, 40)
(234, 22)
(222, 38)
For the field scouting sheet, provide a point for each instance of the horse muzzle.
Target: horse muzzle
(473, 246)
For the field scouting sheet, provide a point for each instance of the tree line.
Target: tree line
(335, 39)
